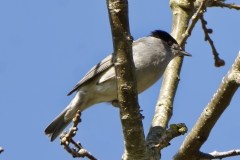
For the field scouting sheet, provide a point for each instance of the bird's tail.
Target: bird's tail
(57, 125)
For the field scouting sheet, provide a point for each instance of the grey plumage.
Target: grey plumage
(151, 56)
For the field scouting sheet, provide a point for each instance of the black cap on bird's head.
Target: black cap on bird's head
(169, 40)
(164, 36)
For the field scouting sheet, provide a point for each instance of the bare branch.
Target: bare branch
(199, 15)
(182, 13)
(220, 101)
(218, 62)
(195, 18)
(219, 155)
(222, 4)
(131, 119)
(174, 131)
(66, 140)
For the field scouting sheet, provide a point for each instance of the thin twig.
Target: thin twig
(219, 155)
(218, 62)
(226, 5)
(66, 140)
(195, 18)
(199, 15)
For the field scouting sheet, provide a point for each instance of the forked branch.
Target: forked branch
(66, 140)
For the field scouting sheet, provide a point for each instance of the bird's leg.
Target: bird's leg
(115, 103)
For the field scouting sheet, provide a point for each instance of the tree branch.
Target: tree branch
(131, 119)
(182, 11)
(199, 15)
(220, 101)
(219, 155)
(174, 131)
(217, 3)
(218, 62)
(226, 5)
(195, 18)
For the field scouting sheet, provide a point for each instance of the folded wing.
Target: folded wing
(99, 68)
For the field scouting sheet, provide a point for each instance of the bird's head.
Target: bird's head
(171, 42)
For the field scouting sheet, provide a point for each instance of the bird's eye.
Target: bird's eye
(170, 43)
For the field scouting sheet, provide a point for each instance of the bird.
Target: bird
(151, 55)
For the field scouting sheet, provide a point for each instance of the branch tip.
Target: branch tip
(219, 155)
(66, 140)
(218, 62)
(226, 5)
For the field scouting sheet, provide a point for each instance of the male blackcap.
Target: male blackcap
(151, 56)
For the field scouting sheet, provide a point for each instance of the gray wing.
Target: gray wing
(99, 68)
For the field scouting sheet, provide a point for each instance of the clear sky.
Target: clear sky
(46, 47)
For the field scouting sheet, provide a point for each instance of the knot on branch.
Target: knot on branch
(126, 88)
(181, 128)
(175, 130)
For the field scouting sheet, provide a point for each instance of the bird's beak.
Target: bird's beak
(183, 53)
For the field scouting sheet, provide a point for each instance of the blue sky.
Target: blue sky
(46, 47)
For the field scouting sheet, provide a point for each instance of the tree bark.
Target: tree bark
(131, 119)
